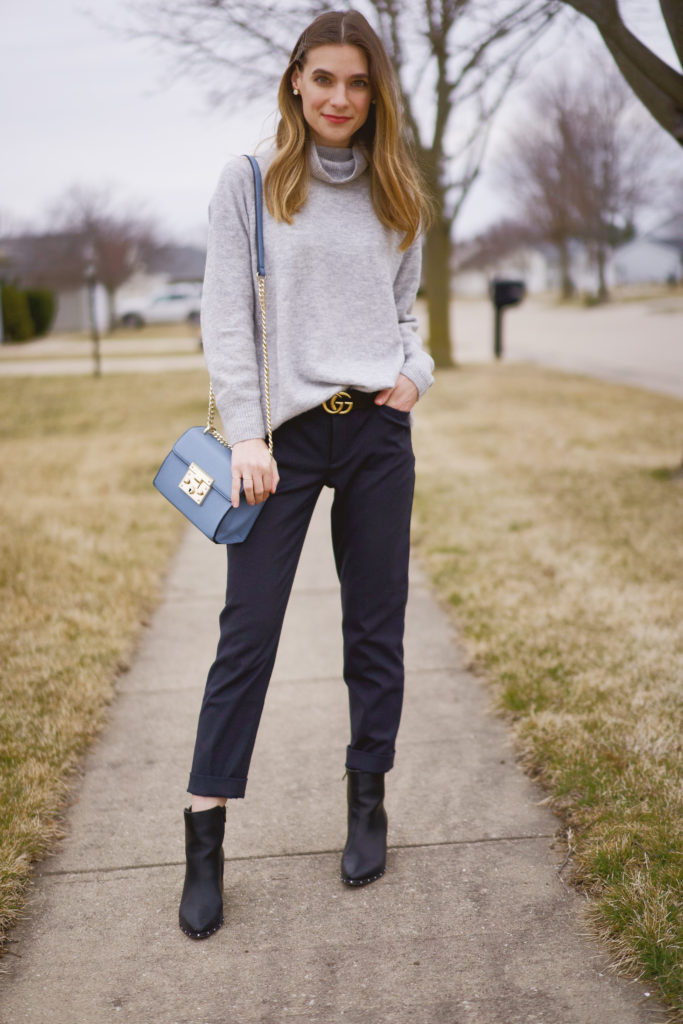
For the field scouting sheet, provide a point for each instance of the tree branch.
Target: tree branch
(657, 85)
(481, 137)
(619, 37)
(512, 22)
(672, 12)
(474, 147)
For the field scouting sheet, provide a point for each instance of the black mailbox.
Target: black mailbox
(507, 293)
(504, 293)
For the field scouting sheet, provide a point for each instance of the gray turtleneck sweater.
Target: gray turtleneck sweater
(339, 296)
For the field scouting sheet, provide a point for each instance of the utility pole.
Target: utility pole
(91, 283)
(4, 263)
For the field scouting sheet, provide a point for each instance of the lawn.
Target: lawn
(550, 518)
(84, 547)
(549, 515)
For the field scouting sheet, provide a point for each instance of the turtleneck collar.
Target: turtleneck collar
(336, 166)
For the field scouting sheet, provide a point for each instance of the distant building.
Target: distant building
(55, 261)
(167, 264)
(535, 263)
(525, 263)
(656, 257)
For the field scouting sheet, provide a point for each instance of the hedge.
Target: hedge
(17, 321)
(42, 306)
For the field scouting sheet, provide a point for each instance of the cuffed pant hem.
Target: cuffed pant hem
(361, 761)
(210, 785)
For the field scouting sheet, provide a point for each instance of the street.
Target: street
(638, 343)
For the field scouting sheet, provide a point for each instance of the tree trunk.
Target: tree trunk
(566, 283)
(600, 259)
(111, 292)
(437, 278)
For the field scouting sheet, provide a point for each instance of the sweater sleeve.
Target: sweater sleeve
(228, 305)
(418, 364)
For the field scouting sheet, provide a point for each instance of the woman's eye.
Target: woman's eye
(358, 83)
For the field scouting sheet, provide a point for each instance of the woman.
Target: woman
(344, 212)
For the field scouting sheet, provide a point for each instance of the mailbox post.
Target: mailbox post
(504, 293)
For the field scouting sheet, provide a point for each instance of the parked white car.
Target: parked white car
(176, 304)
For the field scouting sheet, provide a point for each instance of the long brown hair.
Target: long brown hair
(396, 188)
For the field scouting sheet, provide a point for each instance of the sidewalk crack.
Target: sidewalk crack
(298, 853)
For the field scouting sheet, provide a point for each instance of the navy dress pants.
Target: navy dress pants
(366, 456)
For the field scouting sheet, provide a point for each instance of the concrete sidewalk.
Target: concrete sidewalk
(470, 925)
(60, 356)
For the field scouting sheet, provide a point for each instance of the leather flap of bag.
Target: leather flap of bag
(209, 454)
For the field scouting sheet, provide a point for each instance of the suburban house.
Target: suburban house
(656, 256)
(161, 267)
(56, 261)
(535, 263)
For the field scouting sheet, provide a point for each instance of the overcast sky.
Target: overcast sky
(83, 105)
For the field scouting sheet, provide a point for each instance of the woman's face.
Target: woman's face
(335, 92)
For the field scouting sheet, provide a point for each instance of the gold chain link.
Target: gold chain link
(266, 372)
(210, 429)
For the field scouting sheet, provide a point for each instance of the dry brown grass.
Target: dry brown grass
(551, 522)
(84, 546)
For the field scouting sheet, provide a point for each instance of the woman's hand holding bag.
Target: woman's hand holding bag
(255, 469)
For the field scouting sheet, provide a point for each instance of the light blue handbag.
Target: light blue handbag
(196, 475)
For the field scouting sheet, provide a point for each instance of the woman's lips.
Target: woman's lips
(336, 120)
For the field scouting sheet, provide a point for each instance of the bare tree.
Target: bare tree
(485, 250)
(613, 167)
(580, 168)
(10, 224)
(91, 228)
(456, 61)
(658, 85)
(534, 171)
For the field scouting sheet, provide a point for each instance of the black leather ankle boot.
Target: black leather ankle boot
(201, 906)
(365, 854)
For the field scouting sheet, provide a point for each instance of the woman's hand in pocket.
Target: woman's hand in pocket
(254, 468)
(403, 395)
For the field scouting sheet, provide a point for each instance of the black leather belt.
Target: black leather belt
(350, 398)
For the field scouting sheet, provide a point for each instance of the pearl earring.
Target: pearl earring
(295, 92)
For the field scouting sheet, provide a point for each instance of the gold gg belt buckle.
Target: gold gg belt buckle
(340, 404)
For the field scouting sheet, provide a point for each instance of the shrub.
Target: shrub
(16, 316)
(42, 306)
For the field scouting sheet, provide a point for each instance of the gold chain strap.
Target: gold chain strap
(210, 429)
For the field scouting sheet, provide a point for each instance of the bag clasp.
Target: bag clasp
(196, 483)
